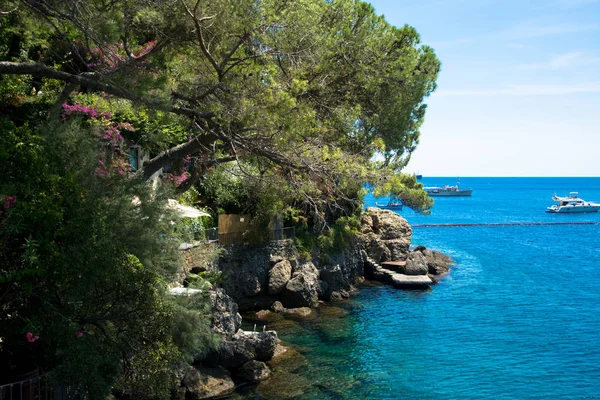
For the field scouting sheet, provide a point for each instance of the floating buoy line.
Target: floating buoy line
(505, 224)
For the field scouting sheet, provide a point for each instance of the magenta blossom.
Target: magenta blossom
(31, 337)
(9, 201)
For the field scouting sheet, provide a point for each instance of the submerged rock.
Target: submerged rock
(302, 312)
(284, 383)
(331, 312)
(277, 307)
(253, 371)
(266, 315)
(207, 383)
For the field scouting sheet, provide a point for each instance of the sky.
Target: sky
(519, 89)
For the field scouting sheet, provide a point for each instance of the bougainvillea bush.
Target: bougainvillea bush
(83, 267)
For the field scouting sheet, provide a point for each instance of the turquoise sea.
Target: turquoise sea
(518, 317)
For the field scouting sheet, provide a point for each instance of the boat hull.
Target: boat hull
(394, 208)
(443, 193)
(573, 210)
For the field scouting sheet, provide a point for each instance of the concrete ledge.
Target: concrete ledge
(181, 291)
(411, 280)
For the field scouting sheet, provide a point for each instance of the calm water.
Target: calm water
(517, 318)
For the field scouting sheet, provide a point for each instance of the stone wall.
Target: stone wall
(258, 277)
(246, 269)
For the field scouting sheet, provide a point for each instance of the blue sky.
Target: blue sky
(519, 91)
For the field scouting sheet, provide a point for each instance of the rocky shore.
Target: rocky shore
(273, 283)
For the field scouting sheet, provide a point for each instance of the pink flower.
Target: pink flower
(31, 337)
(9, 201)
(79, 334)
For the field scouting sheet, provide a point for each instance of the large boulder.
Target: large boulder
(225, 317)
(207, 383)
(415, 265)
(385, 235)
(389, 225)
(437, 263)
(305, 268)
(243, 347)
(301, 290)
(279, 275)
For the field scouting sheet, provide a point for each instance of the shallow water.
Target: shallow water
(517, 317)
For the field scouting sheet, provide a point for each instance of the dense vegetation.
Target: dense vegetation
(246, 106)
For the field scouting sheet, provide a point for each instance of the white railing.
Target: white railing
(36, 387)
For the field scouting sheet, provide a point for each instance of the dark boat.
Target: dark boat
(391, 205)
(448, 191)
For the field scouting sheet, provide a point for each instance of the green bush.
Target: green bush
(84, 268)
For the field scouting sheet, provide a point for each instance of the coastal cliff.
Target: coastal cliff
(273, 281)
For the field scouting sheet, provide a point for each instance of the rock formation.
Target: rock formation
(275, 283)
(386, 237)
(207, 383)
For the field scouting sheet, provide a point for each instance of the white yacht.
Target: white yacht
(572, 204)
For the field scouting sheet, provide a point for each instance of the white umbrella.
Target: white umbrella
(187, 211)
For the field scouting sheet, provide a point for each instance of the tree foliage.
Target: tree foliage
(308, 90)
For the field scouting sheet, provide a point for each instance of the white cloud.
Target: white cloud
(526, 90)
(564, 61)
(528, 30)
(523, 30)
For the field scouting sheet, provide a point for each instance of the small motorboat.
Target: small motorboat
(572, 204)
(391, 205)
